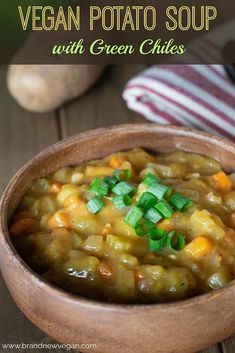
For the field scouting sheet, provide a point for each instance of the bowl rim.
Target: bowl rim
(75, 298)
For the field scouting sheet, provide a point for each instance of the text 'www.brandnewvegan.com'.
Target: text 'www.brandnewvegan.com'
(50, 346)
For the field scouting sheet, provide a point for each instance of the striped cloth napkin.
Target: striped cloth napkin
(201, 96)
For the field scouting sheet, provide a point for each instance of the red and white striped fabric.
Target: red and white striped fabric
(201, 96)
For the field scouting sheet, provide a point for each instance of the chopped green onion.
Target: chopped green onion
(156, 245)
(159, 190)
(149, 225)
(133, 192)
(140, 230)
(157, 233)
(146, 201)
(127, 173)
(151, 179)
(121, 201)
(144, 228)
(151, 207)
(123, 188)
(99, 187)
(180, 202)
(164, 208)
(175, 241)
(133, 216)
(95, 204)
(110, 181)
(122, 174)
(153, 215)
(117, 174)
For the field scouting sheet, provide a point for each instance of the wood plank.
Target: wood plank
(102, 105)
(214, 349)
(228, 346)
(22, 135)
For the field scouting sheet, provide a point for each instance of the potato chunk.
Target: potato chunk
(202, 223)
(94, 243)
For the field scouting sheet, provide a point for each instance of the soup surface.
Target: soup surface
(132, 227)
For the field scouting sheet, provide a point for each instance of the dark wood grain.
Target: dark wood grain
(228, 346)
(214, 349)
(22, 135)
(102, 105)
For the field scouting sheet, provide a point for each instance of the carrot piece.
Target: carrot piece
(59, 219)
(199, 247)
(116, 161)
(221, 181)
(54, 188)
(22, 227)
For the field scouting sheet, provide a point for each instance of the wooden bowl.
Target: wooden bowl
(181, 327)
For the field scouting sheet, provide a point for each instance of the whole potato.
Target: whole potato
(43, 88)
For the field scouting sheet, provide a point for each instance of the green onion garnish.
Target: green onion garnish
(128, 174)
(146, 201)
(175, 241)
(122, 174)
(180, 202)
(159, 190)
(121, 201)
(151, 207)
(118, 174)
(139, 229)
(156, 245)
(123, 188)
(153, 215)
(133, 216)
(157, 233)
(164, 208)
(111, 181)
(95, 204)
(151, 179)
(144, 228)
(99, 187)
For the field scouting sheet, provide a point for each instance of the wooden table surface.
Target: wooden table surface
(23, 134)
